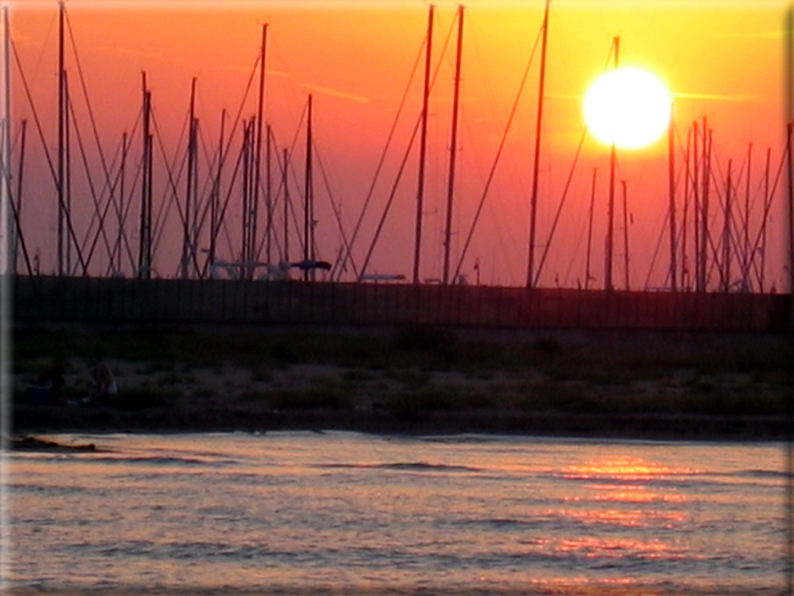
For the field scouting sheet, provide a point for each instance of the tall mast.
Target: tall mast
(423, 147)
(671, 214)
(696, 201)
(590, 231)
(790, 207)
(269, 197)
(286, 205)
(6, 195)
(191, 164)
(611, 209)
(685, 217)
(704, 206)
(533, 206)
(216, 193)
(62, 239)
(308, 210)
(122, 174)
(625, 234)
(258, 149)
(67, 188)
(144, 246)
(767, 200)
(726, 234)
(453, 147)
(746, 256)
(20, 175)
(248, 142)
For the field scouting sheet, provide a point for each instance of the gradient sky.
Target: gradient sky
(721, 60)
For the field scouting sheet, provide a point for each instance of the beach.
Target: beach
(409, 380)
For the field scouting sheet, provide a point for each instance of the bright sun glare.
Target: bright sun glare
(628, 107)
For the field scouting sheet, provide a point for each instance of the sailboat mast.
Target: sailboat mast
(746, 256)
(257, 152)
(587, 275)
(308, 209)
(215, 198)
(704, 207)
(269, 196)
(423, 146)
(685, 215)
(611, 208)
(696, 202)
(453, 145)
(533, 207)
(767, 199)
(144, 246)
(6, 196)
(61, 135)
(726, 234)
(625, 234)
(191, 164)
(286, 205)
(671, 213)
(122, 175)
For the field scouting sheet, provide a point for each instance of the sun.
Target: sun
(628, 107)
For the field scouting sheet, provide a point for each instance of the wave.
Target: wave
(410, 466)
(163, 461)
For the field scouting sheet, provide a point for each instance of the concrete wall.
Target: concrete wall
(223, 301)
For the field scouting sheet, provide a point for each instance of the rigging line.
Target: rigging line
(126, 211)
(172, 184)
(240, 109)
(721, 203)
(680, 174)
(203, 196)
(97, 200)
(656, 252)
(39, 129)
(90, 113)
(280, 185)
(297, 225)
(405, 157)
(565, 191)
(173, 194)
(498, 155)
(227, 148)
(129, 203)
(767, 208)
(432, 84)
(227, 200)
(382, 159)
(559, 209)
(336, 210)
(275, 203)
(274, 200)
(6, 176)
(391, 196)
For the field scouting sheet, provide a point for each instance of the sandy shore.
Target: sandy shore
(381, 384)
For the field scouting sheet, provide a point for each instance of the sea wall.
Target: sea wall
(76, 299)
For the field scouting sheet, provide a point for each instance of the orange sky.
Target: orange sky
(721, 60)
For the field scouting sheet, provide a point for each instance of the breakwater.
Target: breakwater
(83, 299)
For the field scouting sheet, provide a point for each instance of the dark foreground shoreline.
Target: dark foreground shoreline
(668, 427)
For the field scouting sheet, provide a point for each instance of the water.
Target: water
(301, 512)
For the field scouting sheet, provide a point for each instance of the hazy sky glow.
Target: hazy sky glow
(722, 61)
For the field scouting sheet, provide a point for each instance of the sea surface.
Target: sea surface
(349, 513)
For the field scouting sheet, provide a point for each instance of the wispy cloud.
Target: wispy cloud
(335, 93)
(718, 96)
(135, 53)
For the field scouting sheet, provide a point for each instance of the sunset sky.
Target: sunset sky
(721, 60)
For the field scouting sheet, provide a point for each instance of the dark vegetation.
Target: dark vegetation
(715, 375)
